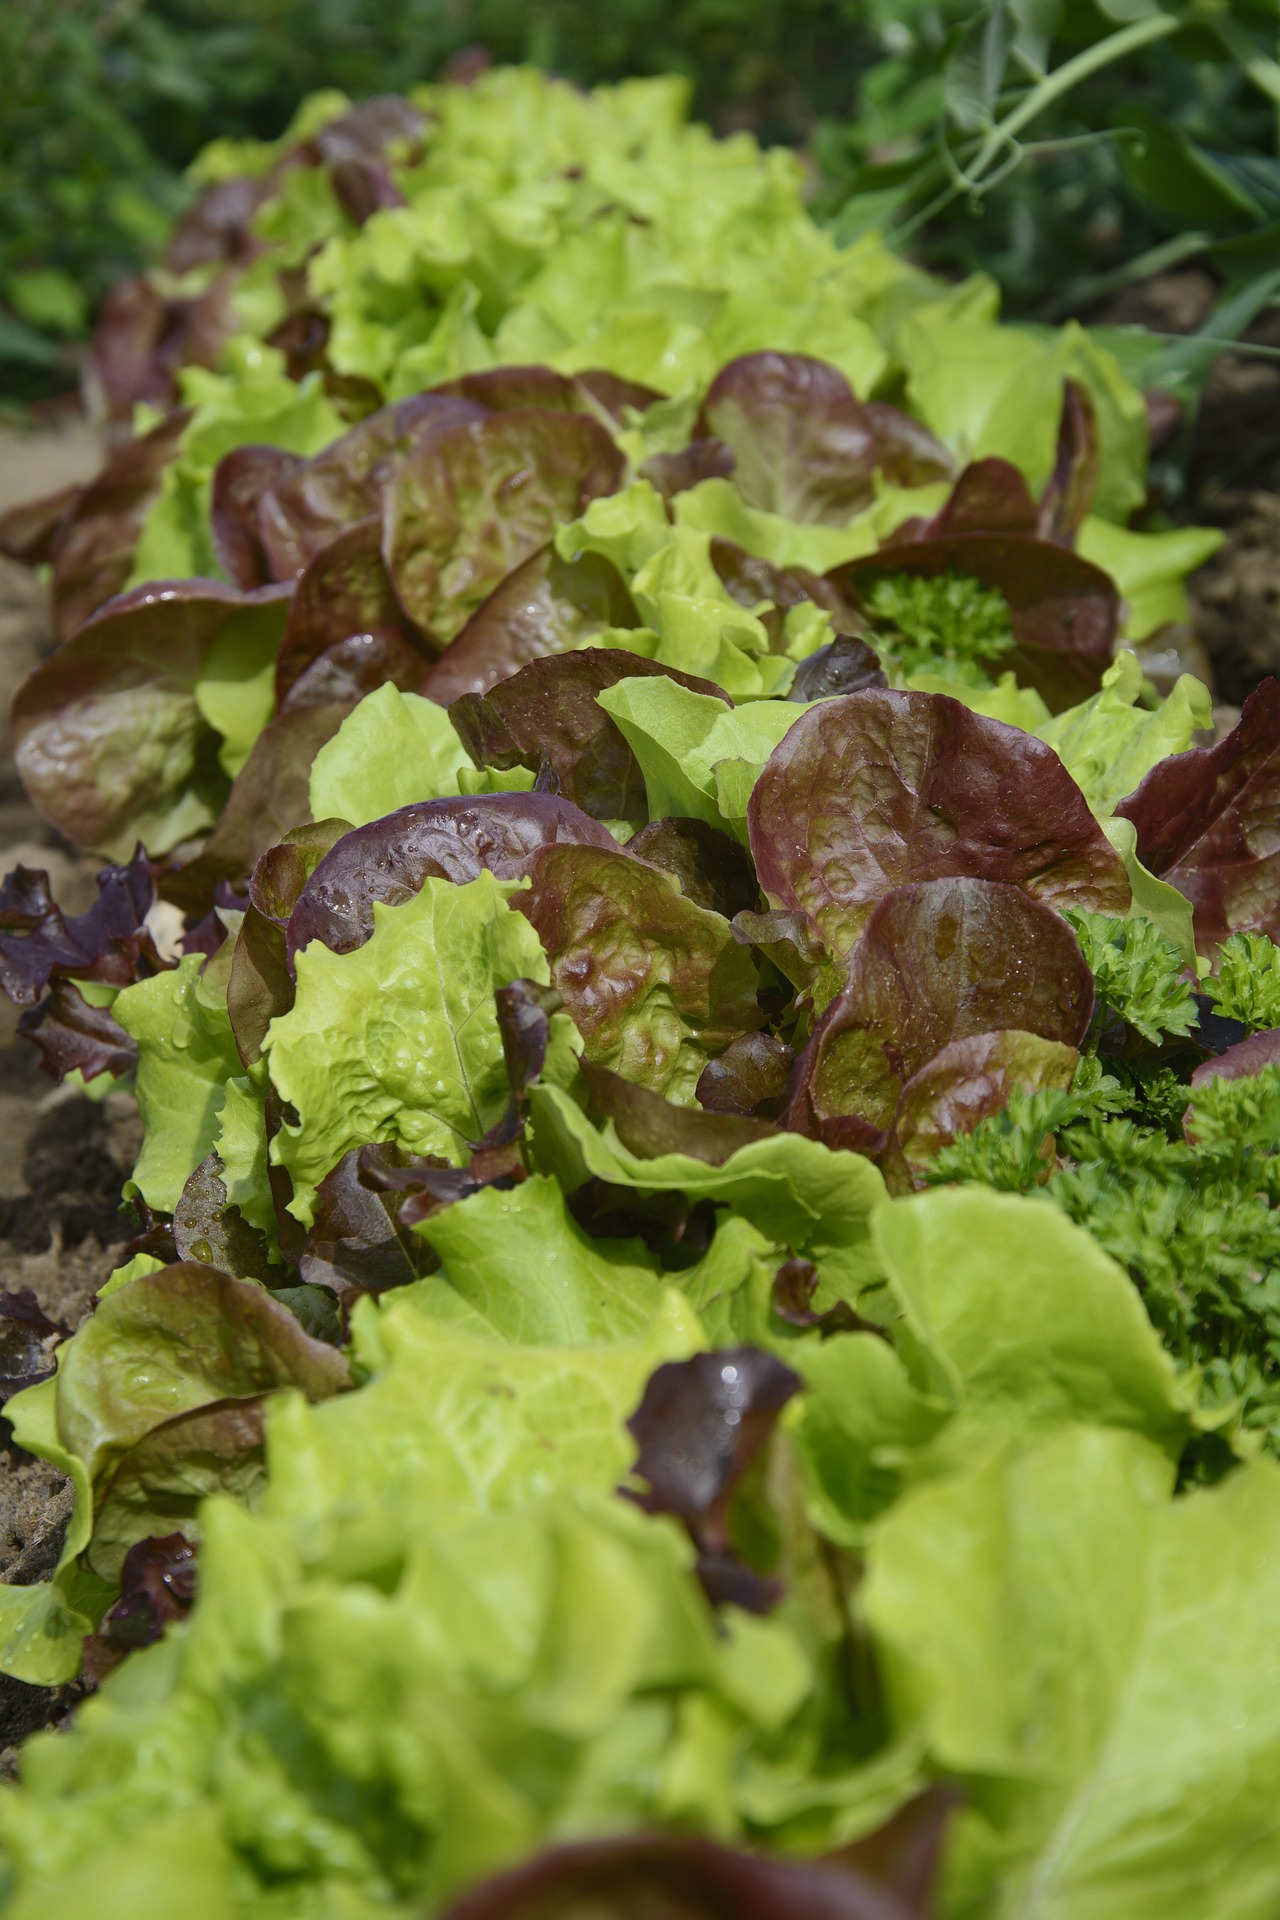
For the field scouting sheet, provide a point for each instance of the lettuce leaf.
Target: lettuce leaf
(411, 1048)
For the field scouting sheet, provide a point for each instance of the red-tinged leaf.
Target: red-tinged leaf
(619, 397)
(159, 1484)
(364, 186)
(343, 593)
(847, 665)
(548, 712)
(211, 1233)
(676, 1232)
(224, 1339)
(426, 1184)
(1074, 481)
(348, 670)
(794, 1286)
(93, 547)
(755, 584)
(939, 961)
(544, 606)
(643, 971)
(261, 986)
(111, 942)
(283, 871)
(240, 479)
(699, 1428)
(802, 445)
(649, 1126)
(1243, 1060)
(389, 859)
(73, 1036)
(524, 1020)
(269, 797)
(502, 389)
(357, 1243)
(749, 1078)
(1208, 822)
(28, 1339)
(968, 1081)
(1064, 611)
(158, 1586)
(217, 227)
(348, 481)
(990, 496)
(713, 869)
(386, 120)
(479, 498)
(883, 788)
(596, 392)
(143, 337)
(673, 473)
(107, 735)
(907, 454)
(676, 1877)
(28, 531)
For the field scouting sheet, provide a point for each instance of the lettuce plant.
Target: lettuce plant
(703, 1296)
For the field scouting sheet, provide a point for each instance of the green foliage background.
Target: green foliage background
(1166, 150)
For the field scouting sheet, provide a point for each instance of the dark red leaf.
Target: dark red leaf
(158, 1586)
(212, 1234)
(93, 547)
(1074, 480)
(673, 473)
(27, 1341)
(74, 1036)
(107, 733)
(699, 1428)
(1207, 822)
(343, 593)
(802, 444)
(28, 531)
(882, 788)
(649, 1126)
(1243, 1060)
(480, 497)
(906, 453)
(846, 666)
(110, 943)
(143, 337)
(217, 227)
(676, 1877)
(965, 1082)
(1064, 611)
(240, 479)
(749, 1078)
(713, 868)
(363, 186)
(615, 931)
(389, 859)
(357, 1242)
(794, 1286)
(269, 797)
(348, 481)
(544, 606)
(939, 961)
(547, 712)
(753, 581)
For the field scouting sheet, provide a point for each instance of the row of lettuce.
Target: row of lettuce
(706, 1021)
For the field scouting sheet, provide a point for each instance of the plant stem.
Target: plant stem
(1142, 33)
